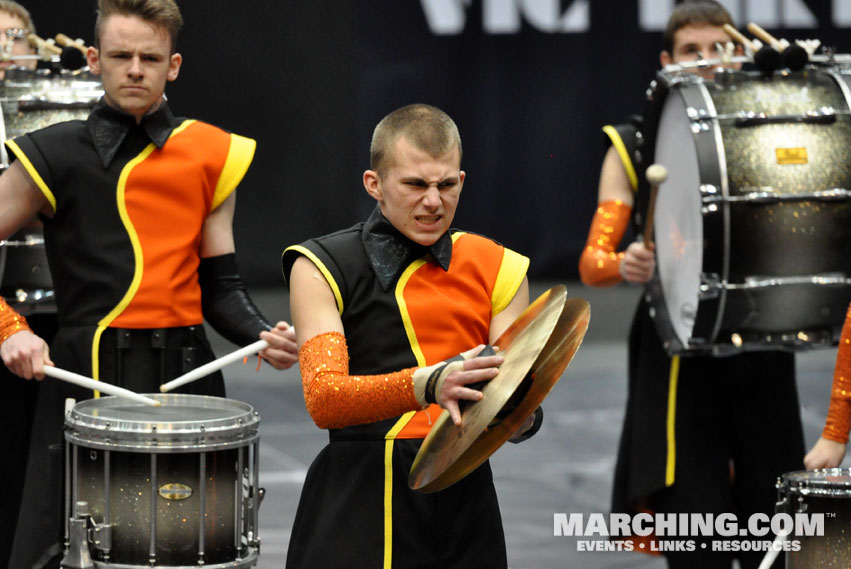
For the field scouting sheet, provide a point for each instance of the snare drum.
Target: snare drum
(30, 100)
(169, 486)
(825, 492)
(753, 225)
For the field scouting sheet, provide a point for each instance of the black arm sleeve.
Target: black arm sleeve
(225, 302)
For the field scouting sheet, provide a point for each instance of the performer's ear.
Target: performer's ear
(93, 59)
(372, 184)
(175, 60)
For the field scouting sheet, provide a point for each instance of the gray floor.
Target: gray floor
(566, 468)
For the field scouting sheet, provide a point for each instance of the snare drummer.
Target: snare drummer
(701, 434)
(139, 208)
(15, 25)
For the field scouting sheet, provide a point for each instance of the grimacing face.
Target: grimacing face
(419, 192)
(134, 62)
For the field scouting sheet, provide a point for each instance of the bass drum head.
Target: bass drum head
(678, 223)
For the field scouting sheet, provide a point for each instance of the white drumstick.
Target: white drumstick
(214, 365)
(94, 385)
(772, 553)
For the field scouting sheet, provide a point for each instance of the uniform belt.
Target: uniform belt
(165, 352)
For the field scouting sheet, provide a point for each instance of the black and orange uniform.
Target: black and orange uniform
(701, 434)
(123, 242)
(402, 306)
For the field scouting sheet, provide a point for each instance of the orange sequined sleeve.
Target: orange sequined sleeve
(839, 414)
(336, 399)
(599, 264)
(10, 321)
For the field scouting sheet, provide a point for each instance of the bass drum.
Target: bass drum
(753, 225)
(30, 100)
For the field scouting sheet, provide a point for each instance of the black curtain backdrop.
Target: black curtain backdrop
(309, 79)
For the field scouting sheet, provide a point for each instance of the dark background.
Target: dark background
(309, 79)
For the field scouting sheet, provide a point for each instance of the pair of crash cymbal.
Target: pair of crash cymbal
(537, 348)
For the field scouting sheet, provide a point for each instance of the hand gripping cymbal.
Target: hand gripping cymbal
(537, 348)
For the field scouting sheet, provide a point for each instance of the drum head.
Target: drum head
(678, 222)
(183, 422)
(825, 483)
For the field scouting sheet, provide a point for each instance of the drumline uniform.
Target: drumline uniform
(402, 306)
(129, 203)
(701, 434)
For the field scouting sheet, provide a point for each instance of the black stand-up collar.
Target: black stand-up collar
(109, 127)
(390, 252)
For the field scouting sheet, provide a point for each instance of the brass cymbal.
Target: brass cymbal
(537, 348)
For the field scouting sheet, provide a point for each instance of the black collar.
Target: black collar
(390, 252)
(109, 127)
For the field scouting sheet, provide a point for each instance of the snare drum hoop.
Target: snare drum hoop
(116, 423)
(823, 483)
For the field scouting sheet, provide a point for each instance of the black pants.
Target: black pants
(737, 428)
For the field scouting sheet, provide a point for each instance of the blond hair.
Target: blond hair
(426, 127)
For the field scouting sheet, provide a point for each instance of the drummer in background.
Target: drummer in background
(138, 208)
(378, 309)
(701, 434)
(15, 25)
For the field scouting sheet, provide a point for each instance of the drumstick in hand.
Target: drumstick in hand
(656, 174)
(95, 385)
(214, 365)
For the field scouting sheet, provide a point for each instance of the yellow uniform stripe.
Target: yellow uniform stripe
(388, 486)
(403, 309)
(617, 142)
(404, 419)
(240, 155)
(672, 418)
(137, 253)
(512, 271)
(322, 269)
(39, 181)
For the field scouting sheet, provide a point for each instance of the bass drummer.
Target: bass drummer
(16, 25)
(702, 434)
(138, 208)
